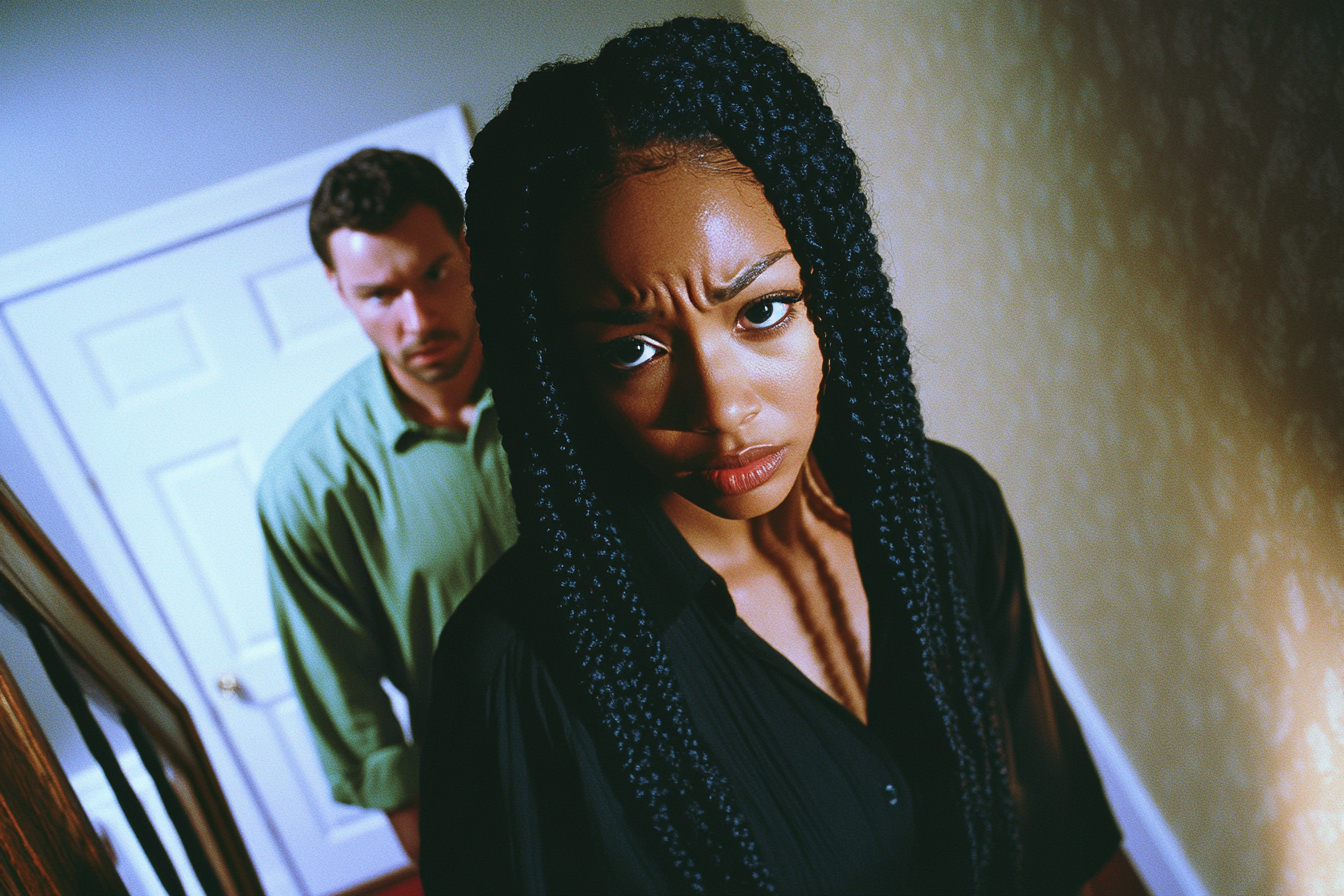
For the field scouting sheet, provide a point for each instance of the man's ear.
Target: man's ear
(334, 279)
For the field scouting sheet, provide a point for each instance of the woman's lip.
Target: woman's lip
(748, 470)
(741, 458)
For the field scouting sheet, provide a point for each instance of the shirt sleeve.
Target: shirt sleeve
(327, 621)
(1065, 821)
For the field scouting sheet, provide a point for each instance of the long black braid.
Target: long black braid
(565, 131)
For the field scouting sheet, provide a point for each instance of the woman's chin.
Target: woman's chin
(744, 505)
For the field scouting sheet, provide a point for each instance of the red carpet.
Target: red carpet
(408, 887)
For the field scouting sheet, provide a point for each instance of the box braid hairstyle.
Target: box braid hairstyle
(573, 127)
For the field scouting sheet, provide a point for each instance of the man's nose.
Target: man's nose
(719, 391)
(414, 319)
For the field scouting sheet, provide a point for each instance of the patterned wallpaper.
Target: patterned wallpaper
(1117, 230)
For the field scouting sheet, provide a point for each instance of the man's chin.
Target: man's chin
(437, 372)
(432, 375)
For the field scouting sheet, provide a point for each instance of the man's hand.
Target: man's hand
(406, 823)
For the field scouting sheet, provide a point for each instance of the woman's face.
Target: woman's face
(687, 307)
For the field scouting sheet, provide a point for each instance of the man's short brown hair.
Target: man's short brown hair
(373, 190)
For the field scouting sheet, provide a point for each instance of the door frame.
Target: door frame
(442, 135)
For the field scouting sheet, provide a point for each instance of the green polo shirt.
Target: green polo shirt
(376, 528)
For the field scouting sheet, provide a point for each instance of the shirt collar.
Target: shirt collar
(400, 433)
(667, 570)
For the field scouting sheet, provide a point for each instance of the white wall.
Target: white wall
(110, 105)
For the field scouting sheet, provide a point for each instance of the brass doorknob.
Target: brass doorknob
(230, 686)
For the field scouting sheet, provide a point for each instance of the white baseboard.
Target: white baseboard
(1148, 841)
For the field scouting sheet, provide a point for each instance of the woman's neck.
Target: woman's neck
(794, 579)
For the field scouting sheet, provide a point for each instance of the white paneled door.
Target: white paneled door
(171, 374)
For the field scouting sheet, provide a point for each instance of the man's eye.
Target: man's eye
(630, 352)
(435, 274)
(765, 313)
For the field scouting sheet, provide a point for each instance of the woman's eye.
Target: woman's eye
(629, 353)
(765, 313)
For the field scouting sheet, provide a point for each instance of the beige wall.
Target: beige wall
(1117, 231)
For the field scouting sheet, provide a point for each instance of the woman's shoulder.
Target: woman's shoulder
(985, 547)
(973, 507)
(510, 612)
(960, 477)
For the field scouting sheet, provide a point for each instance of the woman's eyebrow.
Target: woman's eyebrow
(744, 279)
(629, 316)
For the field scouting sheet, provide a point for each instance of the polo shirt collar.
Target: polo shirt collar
(400, 433)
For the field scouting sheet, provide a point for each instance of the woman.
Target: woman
(757, 633)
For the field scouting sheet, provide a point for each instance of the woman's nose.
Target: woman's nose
(721, 396)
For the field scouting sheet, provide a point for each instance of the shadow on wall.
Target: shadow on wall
(1216, 274)
(1117, 232)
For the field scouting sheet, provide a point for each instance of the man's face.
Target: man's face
(410, 289)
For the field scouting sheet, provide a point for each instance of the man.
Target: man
(389, 498)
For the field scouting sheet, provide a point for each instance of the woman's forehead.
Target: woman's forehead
(679, 223)
(706, 153)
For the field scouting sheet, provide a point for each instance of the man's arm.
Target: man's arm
(334, 656)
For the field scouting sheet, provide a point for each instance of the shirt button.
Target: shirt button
(892, 797)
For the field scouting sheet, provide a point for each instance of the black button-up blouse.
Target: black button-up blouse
(517, 796)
